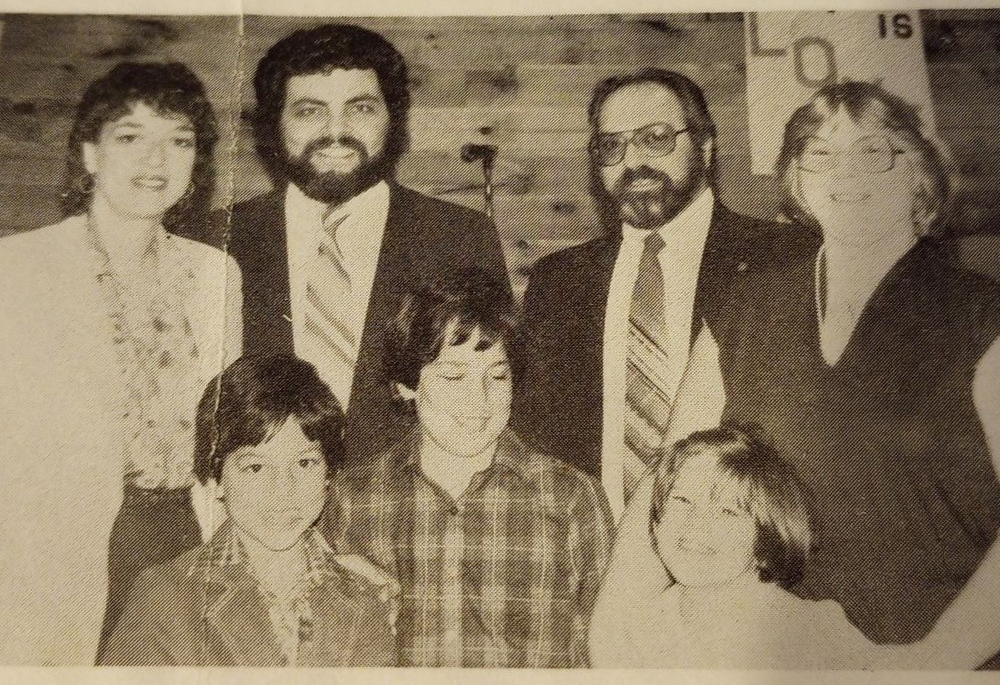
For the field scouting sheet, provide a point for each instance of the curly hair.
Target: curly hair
(320, 50)
(169, 89)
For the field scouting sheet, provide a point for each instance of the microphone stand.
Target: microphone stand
(486, 153)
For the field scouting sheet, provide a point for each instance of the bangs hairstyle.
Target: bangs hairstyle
(252, 399)
(170, 90)
(872, 106)
(696, 116)
(320, 50)
(769, 490)
(447, 313)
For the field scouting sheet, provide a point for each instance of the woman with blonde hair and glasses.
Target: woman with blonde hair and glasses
(873, 362)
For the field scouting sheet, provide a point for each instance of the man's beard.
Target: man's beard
(648, 209)
(336, 187)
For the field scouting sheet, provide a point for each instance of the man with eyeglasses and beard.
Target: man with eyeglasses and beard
(610, 323)
(327, 256)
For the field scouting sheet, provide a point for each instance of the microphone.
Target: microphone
(472, 152)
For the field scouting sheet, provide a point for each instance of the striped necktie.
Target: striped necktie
(647, 399)
(330, 339)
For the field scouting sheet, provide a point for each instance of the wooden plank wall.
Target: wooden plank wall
(519, 83)
(46, 62)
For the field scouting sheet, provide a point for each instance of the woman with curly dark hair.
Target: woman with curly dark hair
(112, 328)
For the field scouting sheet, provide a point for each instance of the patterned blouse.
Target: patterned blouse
(158, 358)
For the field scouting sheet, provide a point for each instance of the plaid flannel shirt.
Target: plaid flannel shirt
(506, 576)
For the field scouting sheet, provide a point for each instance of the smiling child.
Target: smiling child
(499, 549)
(728, 520)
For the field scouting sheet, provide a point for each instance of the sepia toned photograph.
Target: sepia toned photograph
(575, 341)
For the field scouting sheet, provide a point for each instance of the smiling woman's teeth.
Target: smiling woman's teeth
(152, 183)
(694, 547)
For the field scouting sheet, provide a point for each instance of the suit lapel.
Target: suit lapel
(235, 609)
(604, 268)
(263, 256)
(392, 273)
(281, 300)
(336, 627)
(717, 266)
(394, 276)
(585, 320)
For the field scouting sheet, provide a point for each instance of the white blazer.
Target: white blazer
(61, 450)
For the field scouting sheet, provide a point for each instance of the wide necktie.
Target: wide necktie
(647, 397)
(330, 341)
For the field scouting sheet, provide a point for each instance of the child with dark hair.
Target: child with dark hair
(499, 549)
(728, 521)
(266, 590)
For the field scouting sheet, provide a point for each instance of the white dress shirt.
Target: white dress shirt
(359, 238)
(680, 259)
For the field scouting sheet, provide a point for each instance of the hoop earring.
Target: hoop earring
(85, 183)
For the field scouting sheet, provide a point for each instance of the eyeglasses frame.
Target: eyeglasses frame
(628, 138)
(836, 154)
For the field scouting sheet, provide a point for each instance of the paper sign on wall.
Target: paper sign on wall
(792, 54)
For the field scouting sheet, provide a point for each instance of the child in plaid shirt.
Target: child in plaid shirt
(499, 549)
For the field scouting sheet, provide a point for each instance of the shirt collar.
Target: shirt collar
(359, 237)
(511, 453)
(225, 550)
(164, 249)
(689, 227)
(364, 203)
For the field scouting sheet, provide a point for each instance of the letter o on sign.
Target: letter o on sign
(814, 61)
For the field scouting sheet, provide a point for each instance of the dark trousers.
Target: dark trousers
(153, 527)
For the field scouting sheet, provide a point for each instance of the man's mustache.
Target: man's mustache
(641, 173)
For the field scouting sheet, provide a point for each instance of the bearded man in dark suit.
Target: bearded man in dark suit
(610, 323)
(327, 256)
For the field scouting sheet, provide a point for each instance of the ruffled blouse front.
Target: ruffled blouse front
(158, 359)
